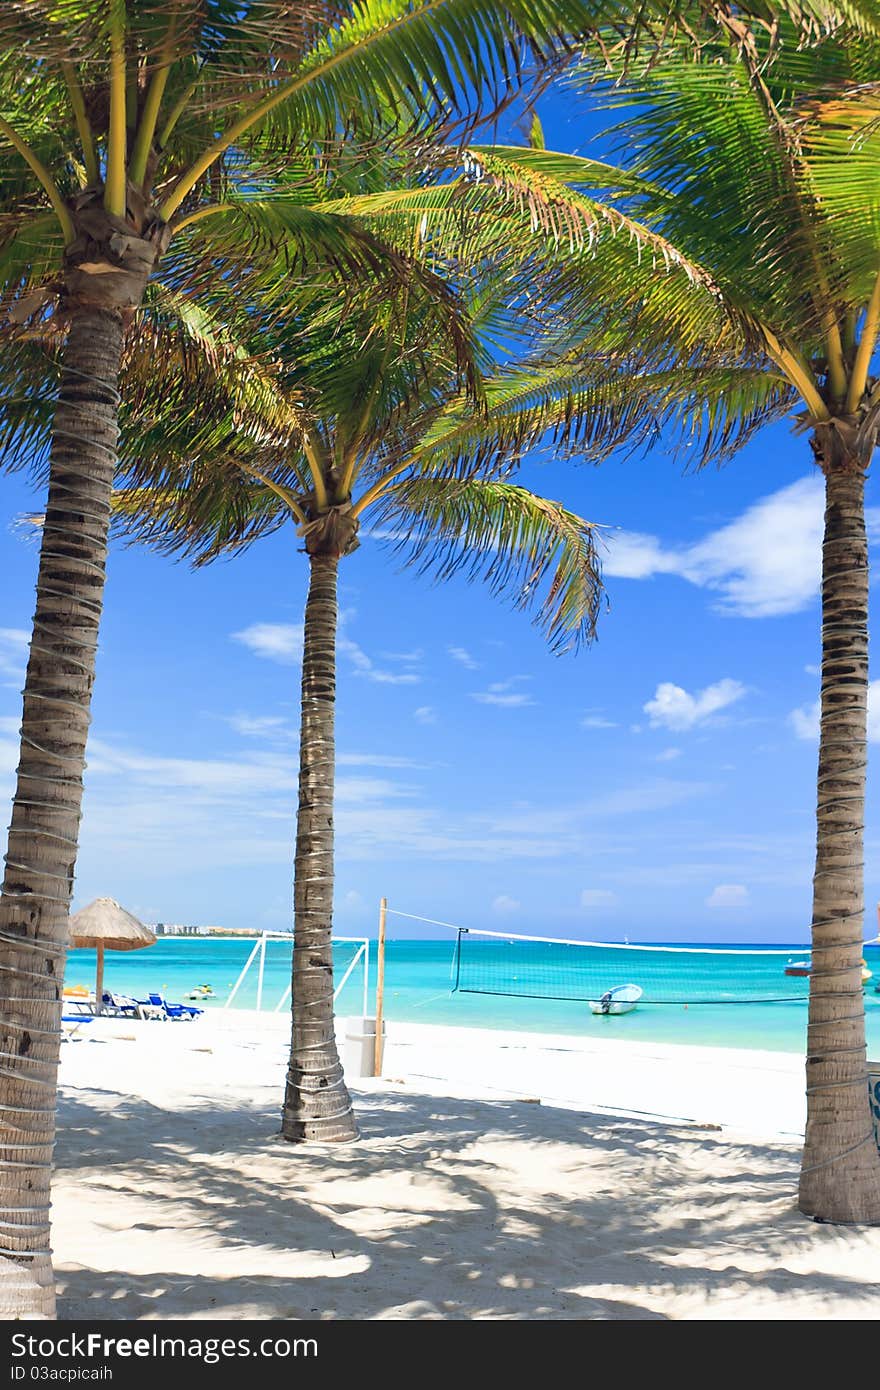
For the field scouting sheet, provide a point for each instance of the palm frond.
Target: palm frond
(529, 548)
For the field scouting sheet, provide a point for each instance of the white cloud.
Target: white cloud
(364, 666)
(463, 658)
(9, 750)
(598, 897)
(196, 815)
(374, 760)
(509, 700)
(407, 658)
(502, 694)
(668, 755)
(765, 563)
(593, 719)
(259, 725)
(728, 895)
(503, 906)
(13, 655)
(569, 823)
(632, 555)
(805, 721)
(674, 708)
(281, 642)
(425, 714)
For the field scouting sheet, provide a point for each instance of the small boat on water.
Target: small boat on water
(800, 968)
(200, 992)
(620, 1000)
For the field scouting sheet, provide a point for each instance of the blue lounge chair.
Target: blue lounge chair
(160, 1003)
(120, 1004)
(77, 1021)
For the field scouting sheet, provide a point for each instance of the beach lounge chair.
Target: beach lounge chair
(71, 1025)
(162, 1009)
(120, 1004)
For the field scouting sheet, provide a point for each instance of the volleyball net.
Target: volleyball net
(270, 962)
(486, 962)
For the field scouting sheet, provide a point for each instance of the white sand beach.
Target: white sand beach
(499, 1175)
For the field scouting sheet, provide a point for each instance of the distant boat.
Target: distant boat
(620, 1000)
(801, 968)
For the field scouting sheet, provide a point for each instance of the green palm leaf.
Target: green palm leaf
(527, 547)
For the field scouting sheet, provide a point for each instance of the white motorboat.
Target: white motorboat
(620, 1000)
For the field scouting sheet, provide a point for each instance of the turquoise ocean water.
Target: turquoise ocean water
(419, 975)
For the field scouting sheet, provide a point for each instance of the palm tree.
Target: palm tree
(379, 428)
(139, 145)
(754, 167)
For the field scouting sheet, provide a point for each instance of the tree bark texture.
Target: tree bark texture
(840, 1176)
(44, 832)
(317, 1105)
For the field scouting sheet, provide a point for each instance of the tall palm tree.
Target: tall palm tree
(379, 429)
(754, 166)
(139, 141)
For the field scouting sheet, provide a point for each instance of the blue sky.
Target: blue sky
(659, 785)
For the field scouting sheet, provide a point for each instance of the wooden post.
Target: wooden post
(380, 987)
(99, 982)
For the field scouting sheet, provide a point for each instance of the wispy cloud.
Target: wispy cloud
(728, 895)
(503, 694)
(271, 726)
(509, 700)
(364, 666)
(463, 658)
(567, 822)
(283, 643)
(765, 563)
(425, 714)
(504, 906)
(406, 658)
(668, 755)
(672, 707)
(13, 655)
(375, 760)
(9, 751)
(197, 815)
(805, 720)
(594, 719)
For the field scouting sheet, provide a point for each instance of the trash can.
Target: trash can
(359, 1051)
(874, 1090)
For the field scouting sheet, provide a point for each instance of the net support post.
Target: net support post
(380, 989)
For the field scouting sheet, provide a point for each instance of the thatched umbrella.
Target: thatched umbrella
(107, 927)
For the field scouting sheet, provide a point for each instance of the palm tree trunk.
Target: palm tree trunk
(43, 835)
(317, 1105)
(840, 1176)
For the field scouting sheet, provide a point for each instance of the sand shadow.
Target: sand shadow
(433, 1214)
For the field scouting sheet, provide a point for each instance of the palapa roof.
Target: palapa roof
(105, 923)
